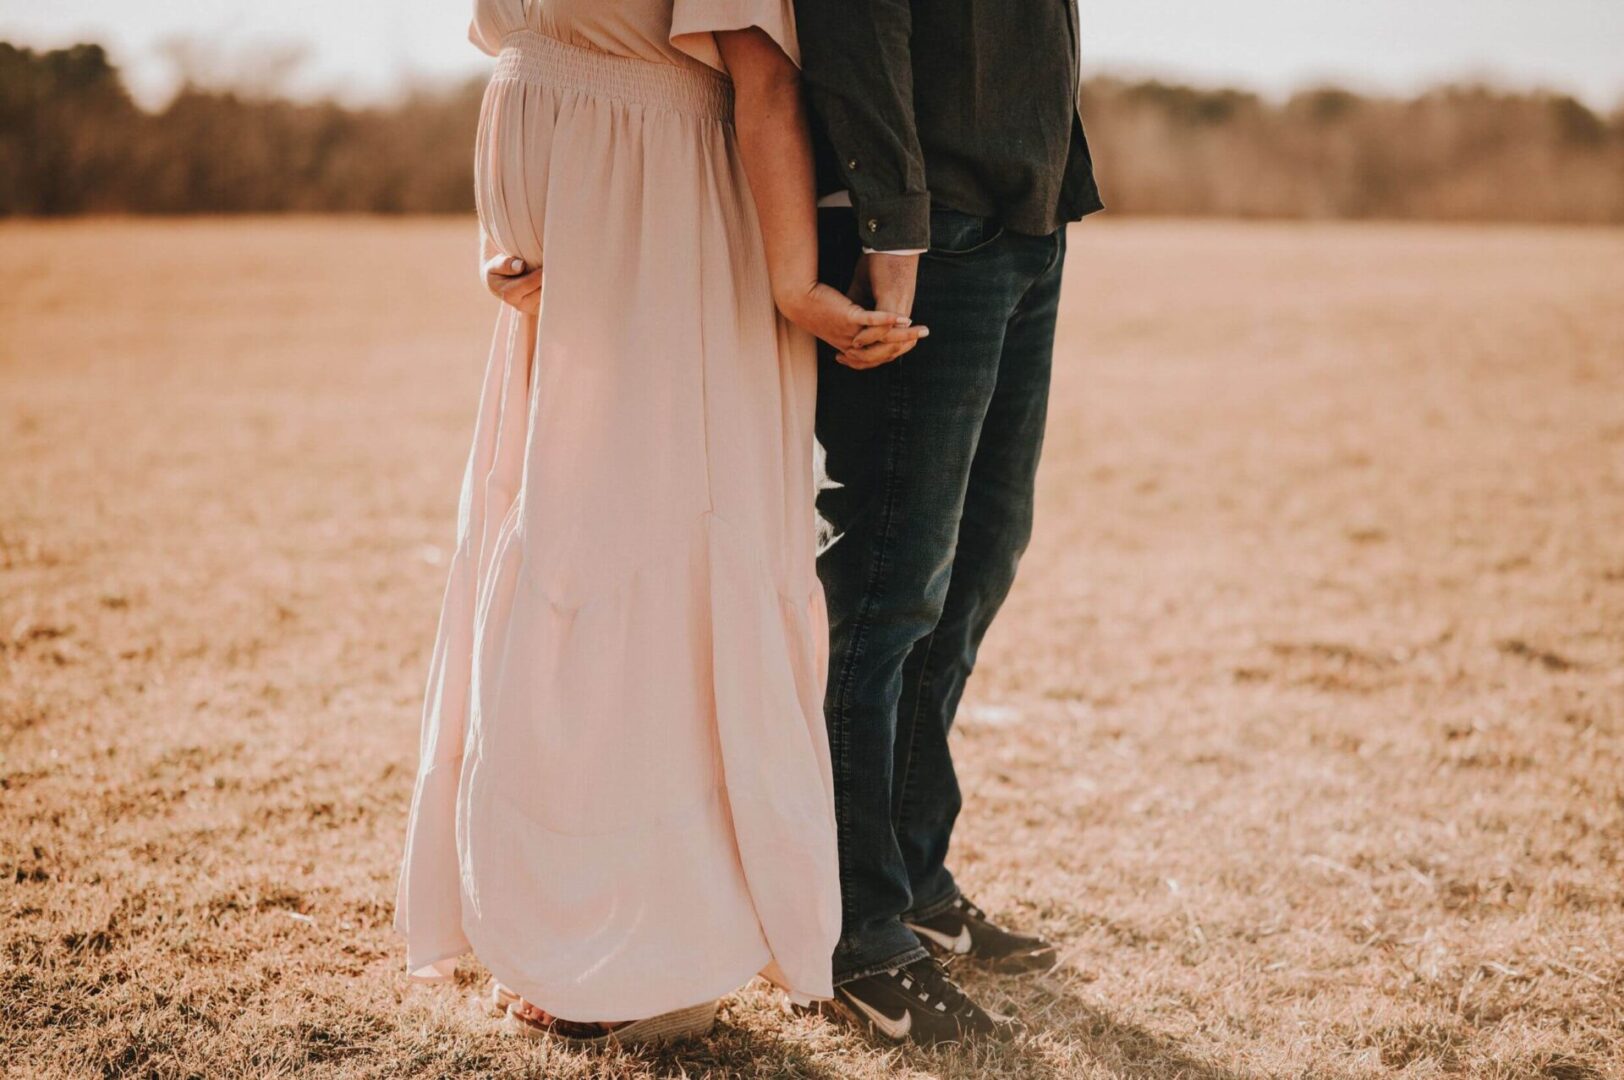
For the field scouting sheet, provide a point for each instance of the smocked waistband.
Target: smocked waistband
(536, 58)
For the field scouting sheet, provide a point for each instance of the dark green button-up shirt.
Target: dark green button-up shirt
(965, 104)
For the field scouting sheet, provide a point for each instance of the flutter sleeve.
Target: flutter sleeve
(694, 24)
(494, 20)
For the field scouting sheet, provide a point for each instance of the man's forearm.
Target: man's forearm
(858, 68)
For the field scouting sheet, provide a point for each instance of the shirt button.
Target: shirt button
(873, 225)
(852, 164)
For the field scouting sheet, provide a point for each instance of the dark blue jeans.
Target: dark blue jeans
(931, 462)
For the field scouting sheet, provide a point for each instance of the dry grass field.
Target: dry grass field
(1304, 730)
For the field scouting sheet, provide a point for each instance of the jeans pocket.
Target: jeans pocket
(955, 235)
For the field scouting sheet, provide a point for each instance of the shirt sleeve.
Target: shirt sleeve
(857, 64)
(694, 23)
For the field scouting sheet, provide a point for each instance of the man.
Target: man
(951, 157)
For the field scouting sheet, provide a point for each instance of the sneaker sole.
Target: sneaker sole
(1023, 963)
(838, 1009)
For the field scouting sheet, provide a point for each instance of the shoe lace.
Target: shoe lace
(928, 981)
(970, 909)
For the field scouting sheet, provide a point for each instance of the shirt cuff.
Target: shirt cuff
(900, 223)
(908, 251)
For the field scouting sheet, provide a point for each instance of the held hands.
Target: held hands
(863, 338)
(887, 282)
(512, 282)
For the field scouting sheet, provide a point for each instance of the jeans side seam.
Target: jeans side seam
(1048, 268)
(861, 624)
(906, 784)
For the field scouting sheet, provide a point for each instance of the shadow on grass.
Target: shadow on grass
(1064, 1032)
(1079, 1036)
(742, 1052)
(1138, 1051)
(1065, 1037)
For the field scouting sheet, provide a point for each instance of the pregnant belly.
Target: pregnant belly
(511, 162)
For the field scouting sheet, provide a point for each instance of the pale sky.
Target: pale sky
(362, 49)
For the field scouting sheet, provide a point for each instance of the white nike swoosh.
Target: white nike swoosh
(959, 946)
(891, 1029)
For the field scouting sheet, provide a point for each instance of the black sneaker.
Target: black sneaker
(965, 930)
(917, 1002)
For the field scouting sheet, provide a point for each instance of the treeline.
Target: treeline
(1467, 153)
(73, 141)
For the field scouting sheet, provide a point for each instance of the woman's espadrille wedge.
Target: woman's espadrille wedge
(675, 1026)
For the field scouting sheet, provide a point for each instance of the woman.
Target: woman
(624, 802)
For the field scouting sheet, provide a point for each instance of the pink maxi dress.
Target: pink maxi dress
(624, 802)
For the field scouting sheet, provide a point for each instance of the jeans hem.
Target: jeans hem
(902, 959)
(931, 910)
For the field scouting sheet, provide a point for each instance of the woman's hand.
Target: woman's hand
(514, 283)
(863, 339)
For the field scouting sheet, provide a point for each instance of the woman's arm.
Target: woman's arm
(776, 148)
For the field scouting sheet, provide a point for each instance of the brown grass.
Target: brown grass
(1303, 730)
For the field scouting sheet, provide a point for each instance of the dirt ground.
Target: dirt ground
(1303, 731)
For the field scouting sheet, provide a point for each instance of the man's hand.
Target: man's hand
(885, 283)
(511, 282)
